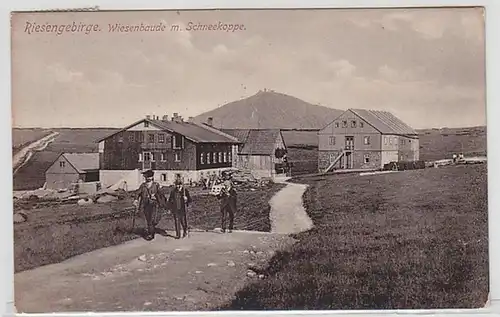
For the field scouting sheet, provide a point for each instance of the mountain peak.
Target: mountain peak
(268, 109)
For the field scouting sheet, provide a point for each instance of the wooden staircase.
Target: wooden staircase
(332, 164)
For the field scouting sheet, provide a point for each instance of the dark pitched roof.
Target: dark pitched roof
(240, 134)
(385, 122)
(190, 130)
(83, 161)
(260, 142)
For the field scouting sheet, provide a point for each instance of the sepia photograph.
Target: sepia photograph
(249, 159)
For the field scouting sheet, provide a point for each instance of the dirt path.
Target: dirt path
(287, 211)
(24, 155)
(197, 273)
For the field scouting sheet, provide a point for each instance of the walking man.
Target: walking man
(179, 201)
(148, 198)
(227, 203)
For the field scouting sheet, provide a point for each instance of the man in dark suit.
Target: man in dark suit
(148, 199)
(179, 201)
(228, 203)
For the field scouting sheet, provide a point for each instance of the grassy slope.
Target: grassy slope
(414, 239)
(439, 144)
(23, 137)
(32, 175)
(53, 234)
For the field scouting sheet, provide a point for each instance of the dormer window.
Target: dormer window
(178, 141)
(337, 124)
(353, 124)
(146, 124)
(344, 124)
(361, 124)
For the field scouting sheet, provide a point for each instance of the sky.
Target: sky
(426, 66)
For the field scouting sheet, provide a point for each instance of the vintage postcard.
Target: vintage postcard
(193, 160)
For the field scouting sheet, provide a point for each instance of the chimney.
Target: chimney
(191, 119)
(210, 121)
(148, 116)
(165, 118)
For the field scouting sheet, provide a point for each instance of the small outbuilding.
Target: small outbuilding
(70, 168)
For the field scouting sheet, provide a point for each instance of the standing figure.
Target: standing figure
(228, 202)
(179, 201)
(148, 199)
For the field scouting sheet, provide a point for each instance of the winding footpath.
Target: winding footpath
(197, 273)
(288, 214)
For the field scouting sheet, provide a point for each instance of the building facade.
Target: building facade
(72, 168)
(257, 149)
(168, 147)
(365, 139)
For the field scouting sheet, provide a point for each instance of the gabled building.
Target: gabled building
(72, 168)
(257, 150)
(365, 139)
(170, 147)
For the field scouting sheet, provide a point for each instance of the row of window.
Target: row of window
(345, 124)
(152, 138)
(215, 157)
(152, 157)
(366, 157)
(366, 140)
(394, 140)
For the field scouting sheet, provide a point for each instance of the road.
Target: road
(24, 155)
(201, 272)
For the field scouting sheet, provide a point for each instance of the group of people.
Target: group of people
(150, 200)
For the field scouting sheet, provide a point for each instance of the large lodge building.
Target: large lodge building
(167, 146)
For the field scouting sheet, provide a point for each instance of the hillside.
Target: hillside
(269, 109)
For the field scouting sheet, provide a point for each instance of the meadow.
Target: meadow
(55, 233)
(408, 240)
(32, 175)
(23, 137)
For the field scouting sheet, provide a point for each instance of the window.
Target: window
(140, 157)
(344, 124)
(141, 137)
(177, 157)
(152, 157)
(163, 157)
(367, 158)
(361, 124)
(353, 123)
(62, 164)
(161, 138)
(385, 140)
(225, 157)
(120, 138)
(215, 157)
(337, 124)
(151, 138)
(163, 177)
(331, 140)
(208, 158)
(131, 137)
(178, 141)
(202, 158)
(220, 157)
(390, 140)
(367, 140)
(229, 155)
(147, 156)
(332, 157)
(146, 124)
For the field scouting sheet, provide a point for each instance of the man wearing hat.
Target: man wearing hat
(179, 200)
(227, 202)
(147, 199)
